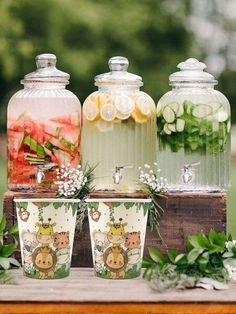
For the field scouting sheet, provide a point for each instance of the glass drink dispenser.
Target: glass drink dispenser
(193, 121)
(43, 127)
(119, 128)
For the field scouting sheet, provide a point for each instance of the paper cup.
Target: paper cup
(46, 231)
(117, 230)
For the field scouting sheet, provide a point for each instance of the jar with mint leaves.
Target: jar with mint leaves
(193, 121)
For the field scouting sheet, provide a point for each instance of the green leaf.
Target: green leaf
(4, 262)
(193, 255)
(146, 207)
(147, 262)
(45, 204)
(14, 262)
(57, 205)
(128, 205)
(7, 250)
(156, 256)
(180, 259)
(3, 223)
(13, 230)
(116, 204)
(94, 205)
(74, 207)
(22, 204)
(172, 255)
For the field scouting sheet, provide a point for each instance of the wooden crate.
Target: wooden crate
(184, 214)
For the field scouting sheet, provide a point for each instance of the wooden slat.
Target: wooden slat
(116, 308)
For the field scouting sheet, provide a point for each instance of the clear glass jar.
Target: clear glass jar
(193, 122)
(43, 128)
(119, 128)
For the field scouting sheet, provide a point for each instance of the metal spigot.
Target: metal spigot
(40, 175)
(117, 176)
(188, 171)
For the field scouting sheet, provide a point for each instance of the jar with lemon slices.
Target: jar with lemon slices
(193, 121)
(119, 128)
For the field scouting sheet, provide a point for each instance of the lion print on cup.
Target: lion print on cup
(44, 260)
(115, 260)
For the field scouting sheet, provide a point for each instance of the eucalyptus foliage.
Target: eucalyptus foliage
(204, 256)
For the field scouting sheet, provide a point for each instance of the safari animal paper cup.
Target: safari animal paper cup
(46, 231)
(117, 230)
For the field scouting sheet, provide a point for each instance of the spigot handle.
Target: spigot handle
(124, 167)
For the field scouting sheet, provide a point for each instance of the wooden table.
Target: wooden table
(84, 293)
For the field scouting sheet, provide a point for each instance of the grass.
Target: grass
(231, 212)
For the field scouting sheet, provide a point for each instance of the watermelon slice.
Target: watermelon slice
(16, 124)
(15, 140)
(62, 157)
(71, 119)
(70, 134)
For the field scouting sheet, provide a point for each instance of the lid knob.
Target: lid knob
(46, 70)
(191, 64)
(118, 64)
(46, 60)
(191, 71)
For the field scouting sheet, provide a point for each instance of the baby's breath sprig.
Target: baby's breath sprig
(76, 183)
(152, 183)
(155, 186)
(73, 182)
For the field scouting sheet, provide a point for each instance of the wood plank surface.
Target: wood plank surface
(184, 214)
(84, 293)
(83, 287)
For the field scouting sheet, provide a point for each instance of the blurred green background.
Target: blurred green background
(155, 35)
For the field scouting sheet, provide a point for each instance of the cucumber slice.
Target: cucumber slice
(188, 106)
(180, 110)
(228, 126)
(174, 106)
(172, 127)
(215, 126)
(168, 115)
(215, 106)
(221, 116)
(177, 108)
(180, 123)
(202, 111)
(166, 129)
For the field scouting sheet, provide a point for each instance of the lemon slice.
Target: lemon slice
(108, 112)
(144, 105)
(122, 116)
(124, 104)
(90, 110)
(138, 116)
(104, 126)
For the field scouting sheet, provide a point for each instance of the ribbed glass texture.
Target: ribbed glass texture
(44, 123)
(193, 148)
(119, 129)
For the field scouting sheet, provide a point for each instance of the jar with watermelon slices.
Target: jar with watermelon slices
(193, 129)
(43, 128)
(119, 128)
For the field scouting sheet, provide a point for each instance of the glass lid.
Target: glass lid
(118, 74)
(191, 71)
(46, 70)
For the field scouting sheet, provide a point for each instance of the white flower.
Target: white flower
(70, 180)
(231, 271)
(158, 185)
